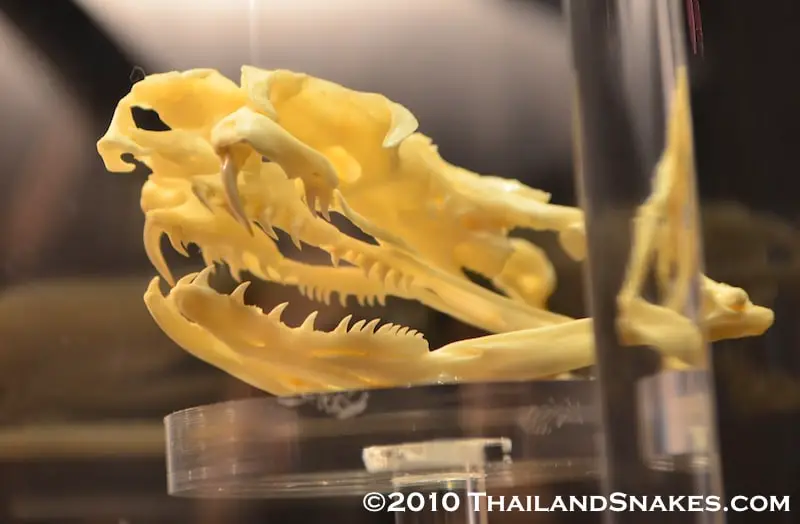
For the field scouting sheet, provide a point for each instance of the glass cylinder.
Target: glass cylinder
(635, 173)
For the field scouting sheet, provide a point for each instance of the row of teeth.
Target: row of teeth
(317, 293)
(344, 327)
(308, 324)
(229, 257)
(265, 223)
(320, 294)
(316, 202)
(376, 271)
(266, 219)
(373, 269)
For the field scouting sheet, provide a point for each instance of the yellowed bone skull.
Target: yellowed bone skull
(283, 150)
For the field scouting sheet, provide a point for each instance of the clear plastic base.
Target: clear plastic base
(674, 418)
(351, 443)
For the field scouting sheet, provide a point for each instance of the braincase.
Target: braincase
(323, 113)
(196, 99)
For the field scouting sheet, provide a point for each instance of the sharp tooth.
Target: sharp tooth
(381, 300)
(358, 325)
(273, 274)
(294, 231)
(201, 192)
(334, 259)
(185, 281)
(326, 298)
(396, 329)
(406, 281)
(202, 277)
(267, 229)
(154, 287)
(324, 207)
(229, 185)
(311, 200)
(379, 271)
(361, 300)
(342, 327)
(277, 311)
(176, 244)
(402, 331)
(235, 268)
(238, 293)
(385, 328)
(343, 299)
(370, 328)
(152, 247)
(391, 277)
(308, 323)
(397, 280)
(265, 220)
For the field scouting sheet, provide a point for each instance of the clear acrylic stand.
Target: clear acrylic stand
(439, 480)
(434, 440)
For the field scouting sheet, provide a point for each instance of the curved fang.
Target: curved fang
(152, 247)
(231, 189)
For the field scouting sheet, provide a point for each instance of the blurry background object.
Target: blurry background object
(83, 348)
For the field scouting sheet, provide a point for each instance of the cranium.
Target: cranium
(285, 148)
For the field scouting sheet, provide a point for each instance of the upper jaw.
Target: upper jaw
(176, 211)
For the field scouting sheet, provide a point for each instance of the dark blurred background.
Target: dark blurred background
(85, 375)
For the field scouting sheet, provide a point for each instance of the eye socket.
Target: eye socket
(148, 120)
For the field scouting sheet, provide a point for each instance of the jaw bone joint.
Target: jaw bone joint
(283, 150)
